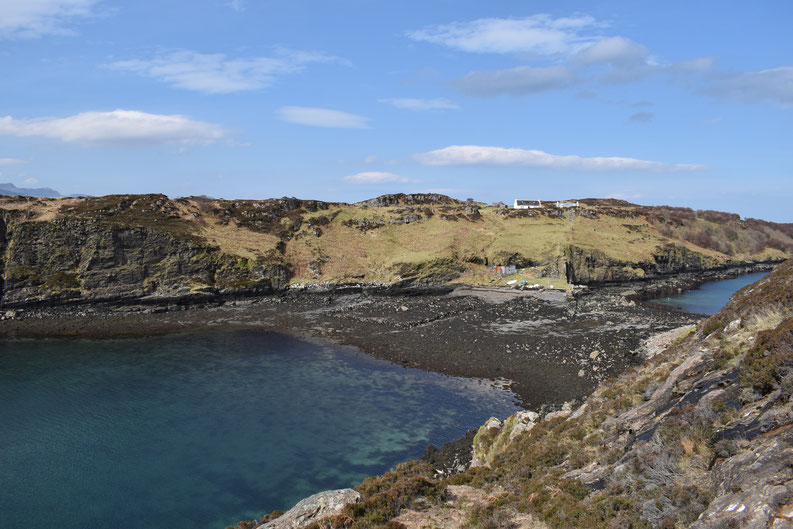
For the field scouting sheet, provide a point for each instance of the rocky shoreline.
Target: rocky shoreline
(548, 346)
(680, 282)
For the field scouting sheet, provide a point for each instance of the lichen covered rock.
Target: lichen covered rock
(313, 508)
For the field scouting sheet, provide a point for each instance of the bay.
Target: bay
(203, 429)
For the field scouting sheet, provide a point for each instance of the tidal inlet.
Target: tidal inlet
(360, 265)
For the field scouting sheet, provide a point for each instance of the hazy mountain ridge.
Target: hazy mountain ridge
(12, 190)
(129, 246)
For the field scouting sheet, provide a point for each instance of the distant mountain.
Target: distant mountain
(11, 189)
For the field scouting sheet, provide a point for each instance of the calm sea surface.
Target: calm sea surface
(201, 430)
(711, 297)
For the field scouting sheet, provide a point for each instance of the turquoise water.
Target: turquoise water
(201, 430)
(711, 297)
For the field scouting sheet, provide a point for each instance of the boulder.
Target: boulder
(313, 508)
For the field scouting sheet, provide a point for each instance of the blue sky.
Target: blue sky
(681, 103)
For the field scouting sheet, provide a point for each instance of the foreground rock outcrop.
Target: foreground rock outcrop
(313, 508)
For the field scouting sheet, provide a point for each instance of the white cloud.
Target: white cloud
(376, 177)
(625, 195)
(370, 159)
(539, 35)
(571, 46)
(700, 64)
(322, 117)
(766, 86)
(122, 127)
(517, 81)
(11, 161)
(237, 5)
(420, 104)
(34, 18)
(500, 156)
(31, 181)
(616, 51)
(216, 73)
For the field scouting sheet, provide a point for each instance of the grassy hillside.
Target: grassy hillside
(431, 237)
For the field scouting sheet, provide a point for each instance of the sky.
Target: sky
(677, 102)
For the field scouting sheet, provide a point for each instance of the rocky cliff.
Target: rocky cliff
(150, 247)
(699, 436)
(111, 255)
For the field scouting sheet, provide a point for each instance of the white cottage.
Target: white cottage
(527, 204)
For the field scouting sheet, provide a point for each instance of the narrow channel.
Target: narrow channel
(710, 297)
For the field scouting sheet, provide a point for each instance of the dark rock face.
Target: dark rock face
(584, 266)
(364, 225)
(86, 260)
(452, 457)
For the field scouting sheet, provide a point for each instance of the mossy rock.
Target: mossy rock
(62, 281)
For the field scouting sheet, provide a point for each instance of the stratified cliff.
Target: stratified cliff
(115, 255)
(132, 247)
(699, 436)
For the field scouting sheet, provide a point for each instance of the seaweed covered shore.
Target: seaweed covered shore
(547, 346)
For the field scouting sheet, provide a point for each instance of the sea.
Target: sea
(200, 430)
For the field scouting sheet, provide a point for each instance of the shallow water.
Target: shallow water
(201, 430)
(712, 296)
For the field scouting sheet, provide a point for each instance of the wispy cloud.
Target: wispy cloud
(11, 161)
(500, 156)
(642, 117)
(616, 51)
(377, 177)
(698, 65)
(215, 73)
(322, 117)
(237, 5)
(119, 127)
(539, 35)
(625, 195)
(420, 104)
(518, 81)
(560, 52)
(31, 181)
(774, 85)
(35, 18)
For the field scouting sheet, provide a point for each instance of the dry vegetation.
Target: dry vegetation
(427, 237)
